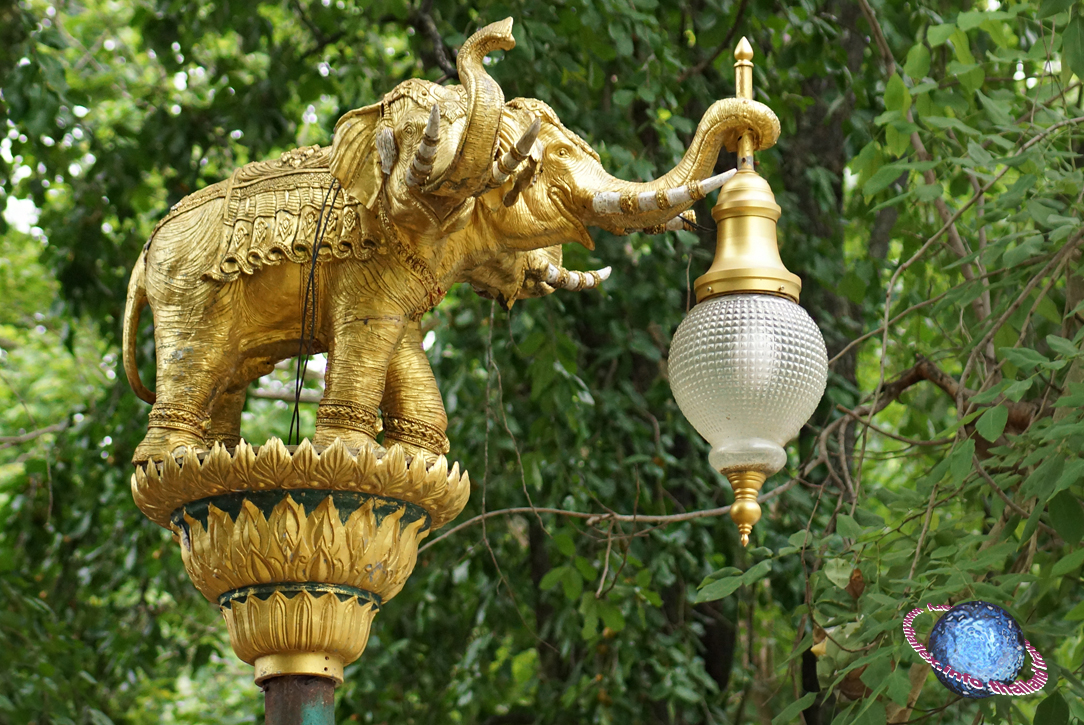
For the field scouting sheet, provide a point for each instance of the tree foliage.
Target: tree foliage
(929, 174)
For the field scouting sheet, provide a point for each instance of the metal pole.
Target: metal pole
(299, 700)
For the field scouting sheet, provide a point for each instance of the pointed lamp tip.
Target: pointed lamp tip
(744, 51)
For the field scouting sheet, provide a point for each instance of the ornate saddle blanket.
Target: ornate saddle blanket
(271, 213)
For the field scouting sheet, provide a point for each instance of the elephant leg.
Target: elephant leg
(225, 424)
(361, 346)
(414, 416)
(190, 378)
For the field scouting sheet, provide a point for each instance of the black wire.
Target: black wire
(308, 309)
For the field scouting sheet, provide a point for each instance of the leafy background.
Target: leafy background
(929, 177)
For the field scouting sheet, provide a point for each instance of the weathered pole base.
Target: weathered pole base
(299, 700)
(317, 664)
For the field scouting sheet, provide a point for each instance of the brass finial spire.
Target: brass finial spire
(743, 88)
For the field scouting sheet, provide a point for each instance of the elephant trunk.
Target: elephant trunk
(723, 123)
(471, 166)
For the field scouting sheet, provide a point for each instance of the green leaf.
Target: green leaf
(838, 572)
(1022, 357)
(929, 192)
(848, 527)
(938, 34)
(918, 62)
(960, 460)
(853, 287)
(757, 572)
(1062, 346)
(1072, 45)
(1052, 711)
(1070, 475)
(897, 98)
(991, 423)
(882, 179)
(552, 578)
(612, 616)
(1068, 563)
(790, 712)
(1075, 614)
(1053, 7)
(719, 589)
(564, 543)
(572, 583)
(1067, 517)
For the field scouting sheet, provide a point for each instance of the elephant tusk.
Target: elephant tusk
(562, 278)
(419, 171)
(386, 148)
(505, 165)
(616, 202)
(681, 223)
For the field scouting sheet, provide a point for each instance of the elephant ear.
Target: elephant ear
(355, 161)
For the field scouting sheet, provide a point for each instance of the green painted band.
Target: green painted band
(346, 503)
(292, 589)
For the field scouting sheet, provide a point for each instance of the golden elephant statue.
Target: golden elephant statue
(342, 250)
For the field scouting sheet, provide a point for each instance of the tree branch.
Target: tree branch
(423, 22)
(9, 441)
(594, 518)
(699, 67)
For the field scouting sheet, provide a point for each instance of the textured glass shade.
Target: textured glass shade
(748, 370)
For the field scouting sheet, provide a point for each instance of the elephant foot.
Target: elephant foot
(161, 442)
(413, 452)
(354, 440)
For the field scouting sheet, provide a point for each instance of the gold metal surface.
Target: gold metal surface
(316, 664)
(342, 250)
(366, 551)
(300, 625)
(747, 253)
(161, 489)
(745, 510)
(747, 248)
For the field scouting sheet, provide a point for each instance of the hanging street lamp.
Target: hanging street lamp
(748, 366)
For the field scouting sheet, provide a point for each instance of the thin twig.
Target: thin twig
(9, 441)
(594, 517)
(1005, 497)
(699, 67)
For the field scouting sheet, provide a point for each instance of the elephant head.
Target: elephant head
(563, 188)
(427, 149)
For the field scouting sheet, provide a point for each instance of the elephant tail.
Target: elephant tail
(137, 300)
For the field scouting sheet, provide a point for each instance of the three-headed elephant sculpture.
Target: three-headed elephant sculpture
(346, 248)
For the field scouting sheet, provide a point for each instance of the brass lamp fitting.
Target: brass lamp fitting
(747, 249)
(745, 511)
(746, 259)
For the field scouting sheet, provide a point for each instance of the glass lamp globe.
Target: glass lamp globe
(748, 370)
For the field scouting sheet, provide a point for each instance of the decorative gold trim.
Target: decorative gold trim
(416, 432)
(161, 488)
(300, 624)
(366, 551)
(347, 414)
(178, 417)
(315, 664)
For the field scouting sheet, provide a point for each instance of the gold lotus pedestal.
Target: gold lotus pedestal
(299, 549)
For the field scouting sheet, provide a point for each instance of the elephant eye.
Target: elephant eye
(563, 153)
